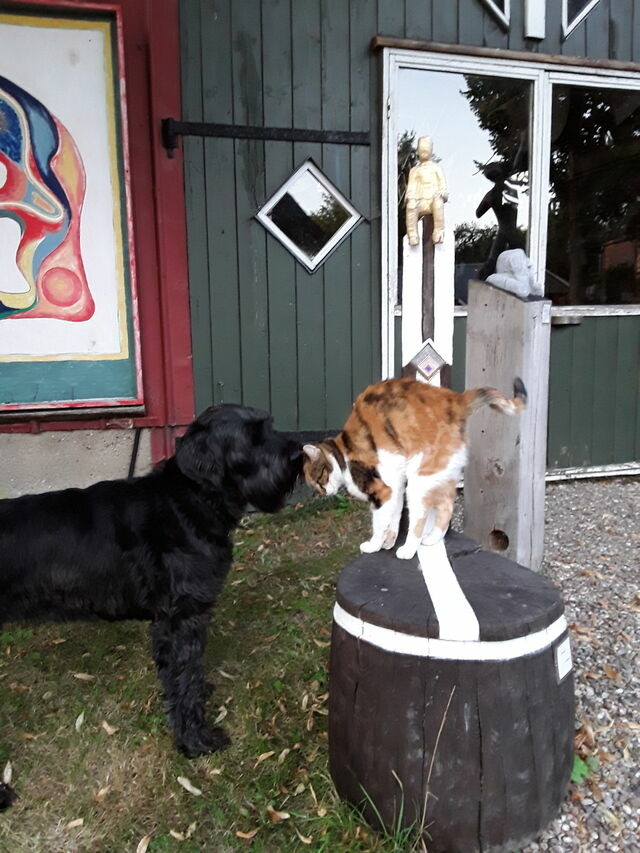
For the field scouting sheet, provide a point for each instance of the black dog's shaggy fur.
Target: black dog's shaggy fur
(155, 547)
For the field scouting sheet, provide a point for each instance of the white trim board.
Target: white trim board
(397, 642)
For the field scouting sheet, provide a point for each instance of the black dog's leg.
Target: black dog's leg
(178, 647)
(7, 796)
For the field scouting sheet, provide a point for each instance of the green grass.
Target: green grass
(267, 656)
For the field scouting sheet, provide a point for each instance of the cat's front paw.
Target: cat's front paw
(389, 539)
(406, 551)
(369, 547)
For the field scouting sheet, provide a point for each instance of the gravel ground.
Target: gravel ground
(592, 553)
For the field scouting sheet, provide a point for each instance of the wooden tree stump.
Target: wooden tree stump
(474, 738)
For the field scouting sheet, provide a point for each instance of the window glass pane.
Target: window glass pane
(593, 245)
(479, 125)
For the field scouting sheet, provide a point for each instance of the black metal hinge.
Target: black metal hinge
(172, 129)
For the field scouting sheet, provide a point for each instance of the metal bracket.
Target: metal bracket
(173, 128)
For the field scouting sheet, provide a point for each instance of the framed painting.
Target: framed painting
(68, 309)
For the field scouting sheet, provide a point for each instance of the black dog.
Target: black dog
(155, 547)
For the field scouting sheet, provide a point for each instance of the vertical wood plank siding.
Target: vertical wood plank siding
(266, 332)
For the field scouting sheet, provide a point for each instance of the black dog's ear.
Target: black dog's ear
(196, 456)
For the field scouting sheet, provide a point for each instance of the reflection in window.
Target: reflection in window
(593, 244)
(309, 215)
(479, 125)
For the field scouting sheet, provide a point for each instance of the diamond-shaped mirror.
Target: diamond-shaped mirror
(309, 215)
(500, 10)
(573, 12)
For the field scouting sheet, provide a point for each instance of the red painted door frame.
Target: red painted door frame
(151, 44)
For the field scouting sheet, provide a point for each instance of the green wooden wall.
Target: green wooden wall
(266, 332)
(594, 393)
(594, 390)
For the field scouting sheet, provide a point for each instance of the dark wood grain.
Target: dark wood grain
(477, 752)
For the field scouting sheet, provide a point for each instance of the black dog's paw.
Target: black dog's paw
(7, 796)
(207, 739)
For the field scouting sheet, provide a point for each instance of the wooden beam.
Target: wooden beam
(505, 477)
(379, 42)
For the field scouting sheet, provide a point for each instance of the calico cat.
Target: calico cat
(403, 437)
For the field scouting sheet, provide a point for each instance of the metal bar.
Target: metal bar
(172, 129)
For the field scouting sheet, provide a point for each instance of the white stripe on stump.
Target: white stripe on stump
(429, 647)
(455, 615)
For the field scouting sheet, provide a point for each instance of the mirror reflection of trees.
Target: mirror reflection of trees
(502, 107)
(593, 245)
(310, 230)
(593, 252)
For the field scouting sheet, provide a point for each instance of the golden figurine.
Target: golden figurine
(426, 193)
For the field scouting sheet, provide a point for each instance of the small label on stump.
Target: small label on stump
(564, 664)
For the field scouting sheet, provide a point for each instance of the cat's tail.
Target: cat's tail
(475, 398)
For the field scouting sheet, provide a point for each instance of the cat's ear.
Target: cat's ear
(314, 453)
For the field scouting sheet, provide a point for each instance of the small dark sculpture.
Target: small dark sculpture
(503, 200)
(155, 548)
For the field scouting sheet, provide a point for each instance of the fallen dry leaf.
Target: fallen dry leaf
(102, 793)
(264, 757)
(581, 630)
(221, 715)
(227, 674)
(612, 819)
(283, 755)
(247, 835)
(611, 672)
(143, 844)
(110, 730)
(7, 773)
(79, 721)
(84, 676)
(58, 641)
(177, 835)
(186, 784)
(304, 838)
(276, 816)
(73, 824)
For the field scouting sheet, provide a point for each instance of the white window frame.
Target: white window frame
(543, 76)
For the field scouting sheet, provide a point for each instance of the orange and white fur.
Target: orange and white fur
(403, 438)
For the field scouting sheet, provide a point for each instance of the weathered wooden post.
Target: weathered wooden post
(505, 476)
(451, 696)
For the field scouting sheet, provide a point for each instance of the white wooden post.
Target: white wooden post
(505, 477)
(443, 298)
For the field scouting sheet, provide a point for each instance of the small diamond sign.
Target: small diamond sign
(428, 360)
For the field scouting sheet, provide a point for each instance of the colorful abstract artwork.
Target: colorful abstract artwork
(69, 333)
(42, 185)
